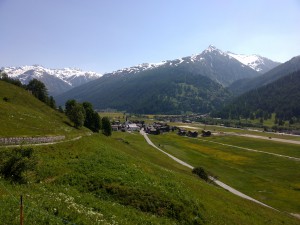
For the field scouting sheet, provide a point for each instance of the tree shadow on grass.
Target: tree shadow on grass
(68, 123)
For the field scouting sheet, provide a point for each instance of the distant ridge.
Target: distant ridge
(57, 81)
(244, 85)
(281, 96)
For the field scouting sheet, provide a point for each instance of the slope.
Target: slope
(281, 97)
(24, 115)
(159, 90)
(122, 180)
(244, 85)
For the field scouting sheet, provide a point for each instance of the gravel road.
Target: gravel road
(221, 184)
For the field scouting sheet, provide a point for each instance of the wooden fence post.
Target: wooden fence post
(21, 211)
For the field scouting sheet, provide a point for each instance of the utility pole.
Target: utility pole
(21, 211)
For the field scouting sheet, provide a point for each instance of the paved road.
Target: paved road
(221, 184)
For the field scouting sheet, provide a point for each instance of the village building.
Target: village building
(133, 127)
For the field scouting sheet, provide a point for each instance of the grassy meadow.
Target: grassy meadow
(269, 179)
(122, 180)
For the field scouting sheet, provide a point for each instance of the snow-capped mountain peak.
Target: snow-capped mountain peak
(212, 49)
(256, 62)
(56, 80)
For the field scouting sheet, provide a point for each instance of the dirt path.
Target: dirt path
(221, 184)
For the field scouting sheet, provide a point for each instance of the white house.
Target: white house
(133, 127)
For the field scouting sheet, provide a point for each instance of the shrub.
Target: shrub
(201, 173)
(13, 164)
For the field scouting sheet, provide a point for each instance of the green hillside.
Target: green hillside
(24, 115)
(122, 180)
(106, 180)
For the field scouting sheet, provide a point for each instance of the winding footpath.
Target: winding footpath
(221, 184)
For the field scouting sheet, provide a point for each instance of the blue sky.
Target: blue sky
(106, 35)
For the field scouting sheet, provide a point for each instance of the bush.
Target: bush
(201, 173)
(14, 164)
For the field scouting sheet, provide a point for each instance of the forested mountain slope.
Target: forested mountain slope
(244, 85)
(160, 90)
(281, 97)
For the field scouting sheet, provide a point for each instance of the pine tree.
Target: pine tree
(106, 126)
(38, 89)
(52, 103)
(75, 112)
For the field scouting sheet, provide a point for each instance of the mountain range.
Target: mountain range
(198, 83)
(281, 97)
(241, 86)
(190, 84)
(57, 81)
(219, 66)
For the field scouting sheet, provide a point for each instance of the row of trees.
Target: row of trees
(84, 115)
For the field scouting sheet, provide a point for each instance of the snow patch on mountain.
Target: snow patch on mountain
(68, 75)
(253, 61)
(256, 62)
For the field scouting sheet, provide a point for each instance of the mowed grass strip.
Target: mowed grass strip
(270, 179)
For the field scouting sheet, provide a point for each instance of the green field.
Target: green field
(269, 179)
(113, 115)
(122, 180)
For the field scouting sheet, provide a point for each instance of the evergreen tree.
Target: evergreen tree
(38, 89)
(77, 115)
(92, 119)
(69, 105)
(52, 103)
(97, 121)
(106, 126)
(75, 112)
(60, 109)
(4, 77)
